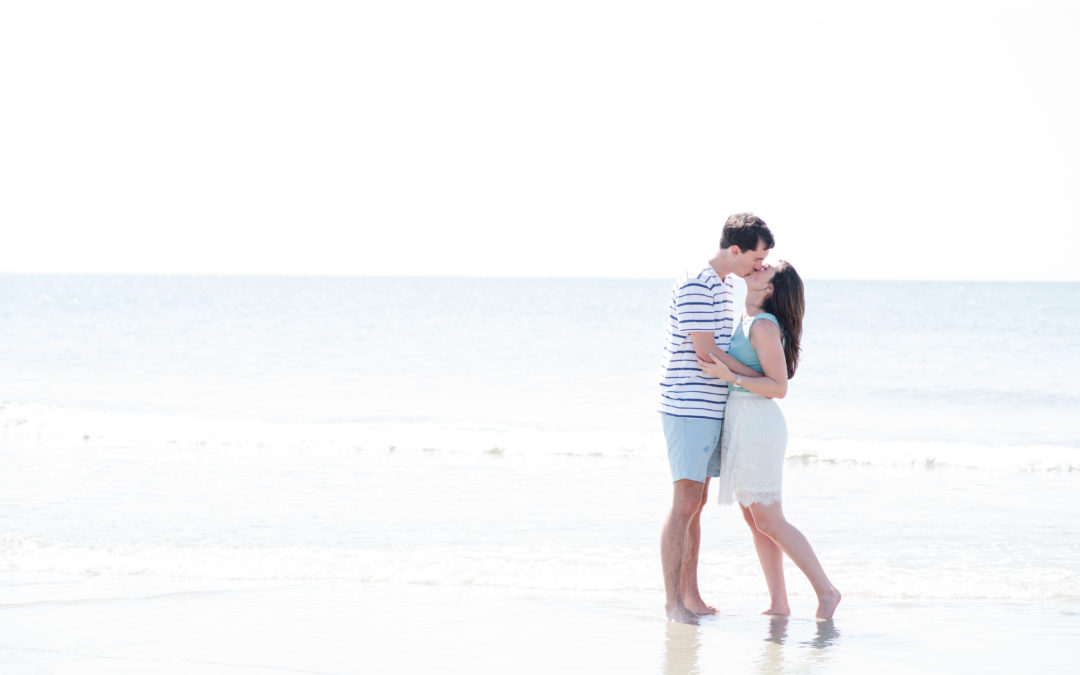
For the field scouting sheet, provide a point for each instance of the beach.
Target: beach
(339, 628)
(492, 561)
(214, 475)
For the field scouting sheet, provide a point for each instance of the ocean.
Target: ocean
(482, 458)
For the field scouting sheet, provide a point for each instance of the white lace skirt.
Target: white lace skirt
(752, 444)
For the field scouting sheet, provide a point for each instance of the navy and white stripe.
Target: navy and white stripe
(701, 302)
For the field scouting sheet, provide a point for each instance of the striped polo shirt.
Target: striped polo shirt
(702, 302)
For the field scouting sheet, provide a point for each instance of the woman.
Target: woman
(754, 435)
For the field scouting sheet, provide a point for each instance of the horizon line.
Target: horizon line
(332, 275)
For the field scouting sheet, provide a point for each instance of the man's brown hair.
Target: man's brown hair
(746, 231)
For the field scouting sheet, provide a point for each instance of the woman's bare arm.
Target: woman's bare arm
(705, 343)
(765, 338)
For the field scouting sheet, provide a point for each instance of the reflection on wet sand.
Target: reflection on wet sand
(772, 657)
(788, 646)
(777, 629)
(682, 646)
(776, 659)
(826, 635)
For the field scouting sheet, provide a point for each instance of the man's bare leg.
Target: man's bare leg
(770, 520)
(772, 565)
(688, 584)
(686, 501)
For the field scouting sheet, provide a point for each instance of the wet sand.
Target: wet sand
(101, 626)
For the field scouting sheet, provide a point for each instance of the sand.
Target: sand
(101, 626)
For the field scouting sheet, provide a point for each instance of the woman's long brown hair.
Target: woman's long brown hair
(788, 304)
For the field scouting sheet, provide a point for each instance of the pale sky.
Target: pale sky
(922, 140)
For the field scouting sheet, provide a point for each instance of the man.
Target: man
(692, 403)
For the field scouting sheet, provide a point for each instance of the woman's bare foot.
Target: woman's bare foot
(778, 610)
(827, 604)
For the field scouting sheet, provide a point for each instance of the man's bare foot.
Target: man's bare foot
(696, 605)
(700, 608)
(778, 610)
(827, 604)
(681, 614)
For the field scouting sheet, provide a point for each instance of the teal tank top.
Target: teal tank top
(740, 344)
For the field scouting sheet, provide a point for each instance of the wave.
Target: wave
(1007, 398)
(540, 568)
(35, 426)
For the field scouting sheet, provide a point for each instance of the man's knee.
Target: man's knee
(690, 497)
(684, 511)
(703, 500)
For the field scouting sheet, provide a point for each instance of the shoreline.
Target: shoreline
(100, 625)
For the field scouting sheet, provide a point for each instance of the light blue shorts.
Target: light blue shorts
(693, 447)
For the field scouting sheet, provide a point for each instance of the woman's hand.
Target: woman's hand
(717, 369)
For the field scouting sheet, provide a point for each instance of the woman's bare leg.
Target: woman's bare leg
(772, 565)
(770, 521)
